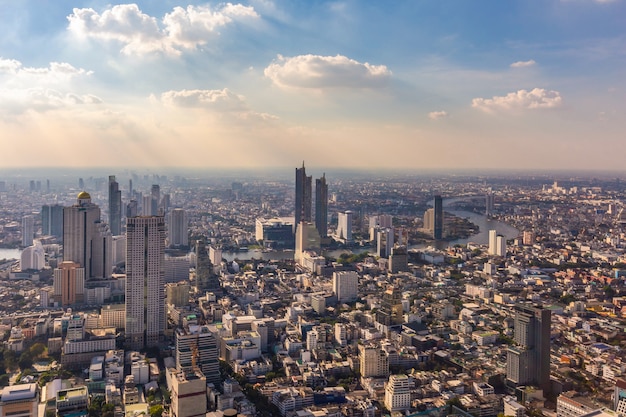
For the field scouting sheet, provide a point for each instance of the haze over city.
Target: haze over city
(410, 84)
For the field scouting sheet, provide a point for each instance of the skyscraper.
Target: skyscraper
(321, 206)
(52, 220)
(115, 207)
(438, 221)
(86, 240)
(28, 230)
(344, 226)
(206, 279)
(145, 290)
(493, 242)
(303, 197)
(528, 362)
(177, 228)
(155, 199)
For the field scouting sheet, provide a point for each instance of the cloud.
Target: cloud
(40, 89)
(436, 115)
(523, 64)
(141, 34)
(13, 71)
(15, 102)
(318, 72)
(222, 100)
(537, 98)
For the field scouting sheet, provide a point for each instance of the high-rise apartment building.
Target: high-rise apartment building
(528, 362)
(438, 218)
(28, 230)
(177, 228)
(398, 393)
(321, 206)
(493, 242)
(344, 226)
(69, 284)
(303, 197)
(115, 207)
(345, 285)
(52, 220)
(86, 240)
(373, 361)
(145, 290)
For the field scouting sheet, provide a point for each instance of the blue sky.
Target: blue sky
(357, 84)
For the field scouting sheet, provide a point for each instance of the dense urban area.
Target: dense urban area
(326, 295)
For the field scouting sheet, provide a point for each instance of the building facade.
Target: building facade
(145, 290)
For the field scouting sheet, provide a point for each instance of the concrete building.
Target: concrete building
(438, 218)
(86, 240)
(345, 285)
(398, 393)
(52, 220)
(373, 361)
(28, 230)
(303, 197)
(115, 206)
(188, 391)
(197, 346)
(344, 226)
(145, 289)
(321, 206)
(69, 284)
(528, 362)
(19, 400)
(178, 228)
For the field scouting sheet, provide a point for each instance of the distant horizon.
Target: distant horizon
(288, 172)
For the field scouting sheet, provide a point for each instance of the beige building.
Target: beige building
(19, 400)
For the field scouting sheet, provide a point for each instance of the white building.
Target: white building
(33, 257)
(345, 285)
(344, 226)
(398, 393)
(28, 230)
(145, 288)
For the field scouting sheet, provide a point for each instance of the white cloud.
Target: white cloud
(317, 72)
(436, 115)
(140, 33)
(222, 100)
(39, 88)
(523, 64)
(537, 98)
(14, 102)
(219, 102)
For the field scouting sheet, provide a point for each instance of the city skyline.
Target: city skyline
(519, 85)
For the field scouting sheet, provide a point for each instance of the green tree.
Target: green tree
(25, 361)
(156, 410)
(37, 350)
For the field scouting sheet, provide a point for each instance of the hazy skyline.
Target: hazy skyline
(404, 84)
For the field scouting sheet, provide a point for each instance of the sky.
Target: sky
(403, 84)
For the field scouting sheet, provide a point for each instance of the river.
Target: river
(482, 237)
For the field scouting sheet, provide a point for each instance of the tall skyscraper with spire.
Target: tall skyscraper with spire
(321, 206)
(145, 287)
(115, 206)
(303, 197)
